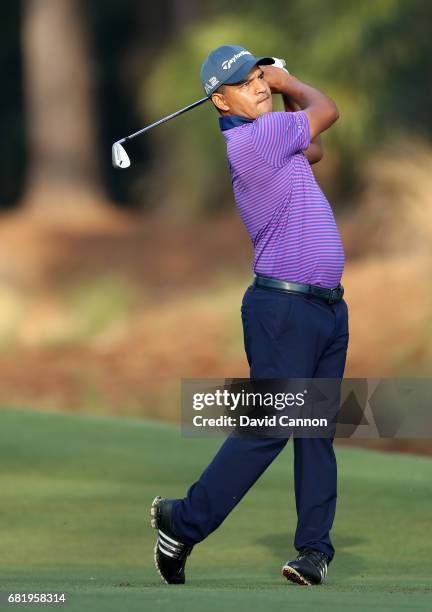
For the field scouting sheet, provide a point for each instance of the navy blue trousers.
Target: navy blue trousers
(286, 336)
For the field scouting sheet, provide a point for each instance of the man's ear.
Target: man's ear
(219, 101)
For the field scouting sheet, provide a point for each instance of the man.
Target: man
(295, 321)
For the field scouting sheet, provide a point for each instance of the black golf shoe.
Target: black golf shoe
(170, 554)
(310, 567)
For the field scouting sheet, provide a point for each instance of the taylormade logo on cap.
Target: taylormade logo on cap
(226, 65)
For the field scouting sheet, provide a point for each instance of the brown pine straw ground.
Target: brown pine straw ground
(176, 292)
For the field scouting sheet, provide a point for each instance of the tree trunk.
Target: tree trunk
(184, 13)
(63, 176)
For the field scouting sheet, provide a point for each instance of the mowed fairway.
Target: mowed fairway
(75, 496)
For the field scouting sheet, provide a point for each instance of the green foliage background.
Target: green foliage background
(372, 57)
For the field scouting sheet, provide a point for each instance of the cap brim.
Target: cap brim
(240, 75)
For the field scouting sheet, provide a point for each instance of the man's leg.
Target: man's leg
(315, 467)
(235, 468)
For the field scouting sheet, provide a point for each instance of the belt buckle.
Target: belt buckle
(336, 294)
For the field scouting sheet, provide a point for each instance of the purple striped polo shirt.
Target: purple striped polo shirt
(287, 216)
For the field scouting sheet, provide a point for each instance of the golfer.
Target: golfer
(295, 320)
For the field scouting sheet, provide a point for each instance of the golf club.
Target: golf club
(120, 158)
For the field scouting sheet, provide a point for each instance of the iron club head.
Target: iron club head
(120, 158)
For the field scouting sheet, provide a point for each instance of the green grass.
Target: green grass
(75, 492)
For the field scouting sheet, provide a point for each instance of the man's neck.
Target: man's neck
(227, 122)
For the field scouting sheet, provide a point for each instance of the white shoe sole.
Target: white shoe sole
(154, 524)
(293, 575)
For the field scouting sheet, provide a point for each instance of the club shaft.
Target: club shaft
(163, 120)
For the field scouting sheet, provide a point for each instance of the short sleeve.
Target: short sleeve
(278, 135)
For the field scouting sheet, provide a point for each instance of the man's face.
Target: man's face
(249, 98)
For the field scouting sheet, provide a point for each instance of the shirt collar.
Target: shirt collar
(231, 121)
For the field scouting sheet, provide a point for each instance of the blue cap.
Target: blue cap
(227, 65)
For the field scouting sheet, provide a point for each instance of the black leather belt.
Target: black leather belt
(329, 295)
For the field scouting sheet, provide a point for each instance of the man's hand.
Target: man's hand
(275, 77)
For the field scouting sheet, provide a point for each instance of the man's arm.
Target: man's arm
(321, 110)
(315, 151)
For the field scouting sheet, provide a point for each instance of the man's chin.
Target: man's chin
(264, 107)
(263, 111)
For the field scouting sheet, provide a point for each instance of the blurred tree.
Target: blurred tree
(63, 173)
(184, 12)
(374, 58)
(11, 106)
(127, 40)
